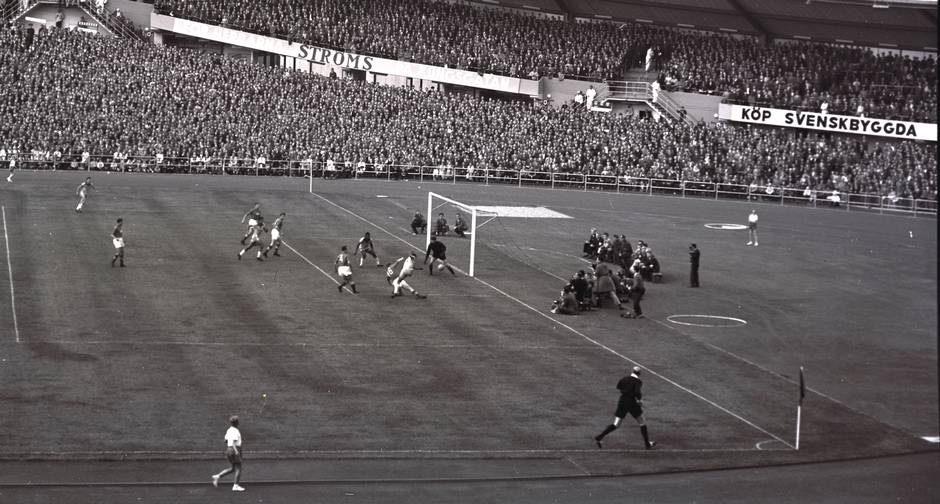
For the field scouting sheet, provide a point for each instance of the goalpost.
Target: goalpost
(475, 214)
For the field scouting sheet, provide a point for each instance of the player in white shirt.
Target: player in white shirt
(275, 235)
(233, 452)
(399, 283)
(752, 228)
(254, 218)
(254, 232)
(82, 192)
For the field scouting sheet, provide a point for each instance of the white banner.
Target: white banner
(829, 122)
(344, 59)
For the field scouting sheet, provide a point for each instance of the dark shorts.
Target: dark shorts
(232, 456)
(627, 406)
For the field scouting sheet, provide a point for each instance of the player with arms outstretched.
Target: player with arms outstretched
(275, 235)
(367, 247)
(344, 270)
(437, 252)
(407, 269)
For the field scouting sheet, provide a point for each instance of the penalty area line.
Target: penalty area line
(308, 261)
(6, 240)
(571, 329)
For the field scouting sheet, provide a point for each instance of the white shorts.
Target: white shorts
(252, 222)
(344, 271)
(275, 234)
(118, 242)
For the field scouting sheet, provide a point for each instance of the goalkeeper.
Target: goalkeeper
(399, 282)
(437, 251)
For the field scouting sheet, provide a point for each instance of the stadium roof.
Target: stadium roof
(901, 24)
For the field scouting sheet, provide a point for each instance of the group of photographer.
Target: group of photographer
(589, 290)
(616, 249)
(618, 273)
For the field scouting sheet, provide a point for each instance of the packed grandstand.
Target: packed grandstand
(68, 92)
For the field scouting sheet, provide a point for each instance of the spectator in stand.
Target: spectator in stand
(185, 104)
(520, 44)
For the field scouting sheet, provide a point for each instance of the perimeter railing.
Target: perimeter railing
(506, 177)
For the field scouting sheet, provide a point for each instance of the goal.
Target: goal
(436, 202)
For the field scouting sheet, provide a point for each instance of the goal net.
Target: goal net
(452, 210)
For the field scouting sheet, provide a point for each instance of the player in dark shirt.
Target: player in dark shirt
(344, 270)
(366, 247)
(117, 238)
(631, 401)
(437, 252)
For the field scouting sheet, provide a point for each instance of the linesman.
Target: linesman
(631, 401)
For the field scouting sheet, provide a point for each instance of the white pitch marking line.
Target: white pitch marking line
(6, 239)
(740, 322)
(931, 439)
(543, 451)
(314, 265)
(315, 345)
(573, 330)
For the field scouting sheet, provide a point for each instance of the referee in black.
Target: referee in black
(631, 401)
(694, 255)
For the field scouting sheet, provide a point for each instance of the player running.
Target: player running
(344, 270)
(437, 252)
(254, 232)
(366, 247)
(399, 283)
(12, 164)
(275, 235)
(82, 192)
(254, 217)
(117, 238)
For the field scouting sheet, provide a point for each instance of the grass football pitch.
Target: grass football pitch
(149, 361)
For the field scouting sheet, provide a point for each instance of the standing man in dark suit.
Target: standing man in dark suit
(631, 401)
(694, 255)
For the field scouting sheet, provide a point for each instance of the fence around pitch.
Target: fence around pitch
(524, 178)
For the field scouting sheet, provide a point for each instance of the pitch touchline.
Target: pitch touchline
(281, 453)
(313, 345)
(6, 239)
(573, 330)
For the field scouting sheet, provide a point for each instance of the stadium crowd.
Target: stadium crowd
(843, 80)
(819, 77)
(75, 93)
(434, 33)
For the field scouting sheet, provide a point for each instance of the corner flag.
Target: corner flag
(802, 387)
(799, 409)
